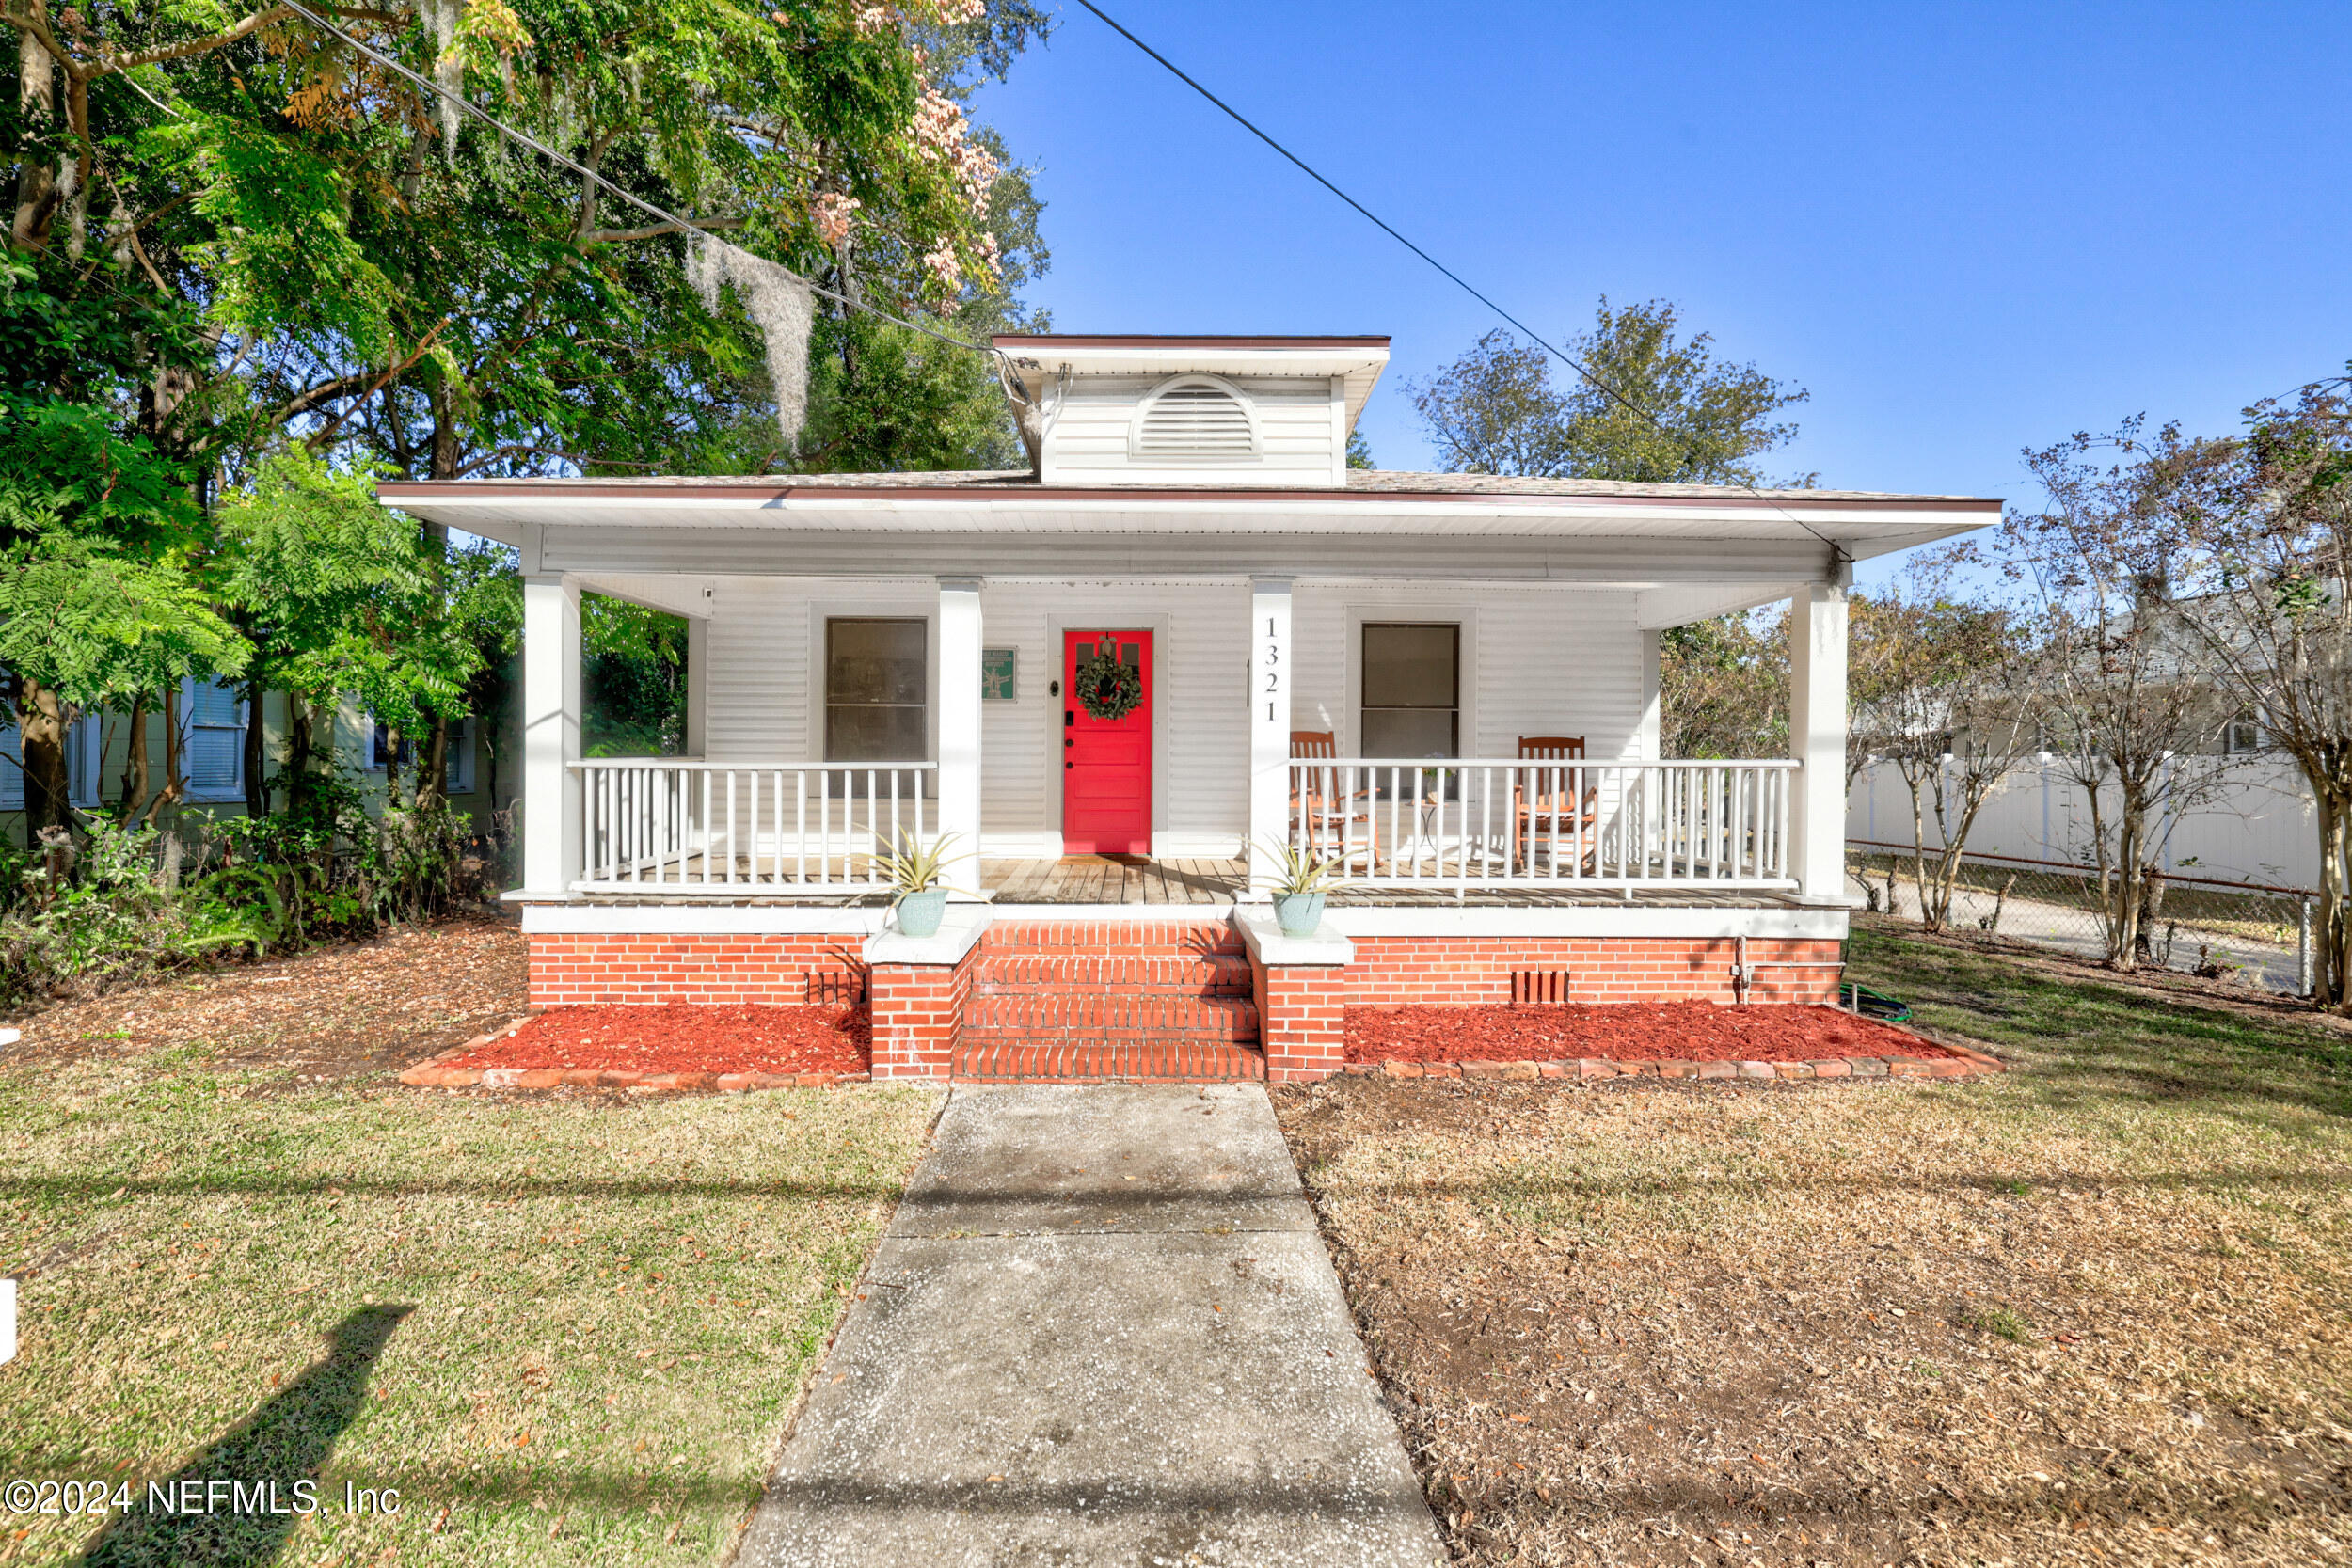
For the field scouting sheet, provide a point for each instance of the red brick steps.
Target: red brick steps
(1095, 1002)
(1178, 1061)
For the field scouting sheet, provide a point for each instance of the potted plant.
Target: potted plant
(914, 871)
(1303, 880)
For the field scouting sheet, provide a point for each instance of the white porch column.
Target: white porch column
(698, 686)
(960, 726)
(1269, 726)
(1817, 739)
(551, 792)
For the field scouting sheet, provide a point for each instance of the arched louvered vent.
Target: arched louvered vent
(1195, 417)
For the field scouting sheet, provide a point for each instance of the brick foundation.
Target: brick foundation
(575, 970)
(1302, 1020)
(917, 1011)
(1095, 974)
(1391, 972)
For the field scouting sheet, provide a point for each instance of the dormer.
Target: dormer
(1196, 411)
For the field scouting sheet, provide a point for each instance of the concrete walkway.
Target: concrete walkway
(1102, 1330)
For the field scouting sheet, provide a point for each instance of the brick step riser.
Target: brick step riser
(1025, 972)
(1110, 1018)
(1150, 1061)
(1085, 939)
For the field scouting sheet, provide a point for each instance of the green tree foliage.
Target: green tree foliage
(388, 278)
(633, 679)
(343, 597)
(1499, 409)
(1722, 687)
(97, 529)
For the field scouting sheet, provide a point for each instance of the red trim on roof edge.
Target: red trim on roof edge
(1170, 339)
(395, 491)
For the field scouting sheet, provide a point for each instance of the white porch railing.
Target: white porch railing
(670, 825)
(1393, 822)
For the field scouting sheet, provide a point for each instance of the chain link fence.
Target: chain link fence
(2245, 932)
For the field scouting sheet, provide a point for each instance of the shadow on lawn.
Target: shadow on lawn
(2089, 1039)
(287, 1440)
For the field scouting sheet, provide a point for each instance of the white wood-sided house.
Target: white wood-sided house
(1449, 682)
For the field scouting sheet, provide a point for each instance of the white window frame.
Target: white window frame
(2257, 741)
(234, 791)
(458, 767)
(85, 763)
(1465, 744)
(1348, 725)
(85, 760)
(819, 685)
(457, 770)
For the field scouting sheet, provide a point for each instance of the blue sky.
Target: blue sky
(1965, 230)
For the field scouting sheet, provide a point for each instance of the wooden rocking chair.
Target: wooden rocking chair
(1331, 817)
(1544, 815)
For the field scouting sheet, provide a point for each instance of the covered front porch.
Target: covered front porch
(1541, 786)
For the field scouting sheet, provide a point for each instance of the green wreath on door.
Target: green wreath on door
(1108, 689)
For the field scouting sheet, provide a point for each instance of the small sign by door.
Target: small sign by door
(999, 668)
(1107, 695)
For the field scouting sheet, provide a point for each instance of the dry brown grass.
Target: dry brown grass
(2097, 1311)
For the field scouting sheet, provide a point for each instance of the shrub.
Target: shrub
(119, 903)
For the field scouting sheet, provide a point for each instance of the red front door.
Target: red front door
(1106, 763)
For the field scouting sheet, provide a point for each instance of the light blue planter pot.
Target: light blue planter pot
(1298, 914)
(919, 913)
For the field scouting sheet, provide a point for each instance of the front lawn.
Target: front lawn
(564, 1329)
(2094, 1310)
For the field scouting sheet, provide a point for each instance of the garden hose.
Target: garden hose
(1872, 1003)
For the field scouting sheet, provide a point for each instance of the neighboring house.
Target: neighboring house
(213, 720)
(1449, 680)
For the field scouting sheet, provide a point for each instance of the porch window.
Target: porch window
(1412, 689)
(877, 689)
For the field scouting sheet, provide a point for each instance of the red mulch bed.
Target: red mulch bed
(682, 1038)
(1624, 1031)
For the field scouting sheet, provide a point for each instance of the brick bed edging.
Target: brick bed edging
(1971, 1064)
(431, 1073)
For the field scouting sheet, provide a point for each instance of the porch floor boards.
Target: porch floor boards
(1140, 880)
(1134, 880)
(1114, 880)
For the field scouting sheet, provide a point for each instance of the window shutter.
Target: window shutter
(11, 776)
(1195, 418)
(217, 703)
(215, 737)
(213, 755)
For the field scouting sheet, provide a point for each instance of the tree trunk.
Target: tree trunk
(36, 107)
(2130, 884)
(256, 759)
(298, 749)
(432, 768)
(134, 778)
(175, 786)
(40, 727)
(1928, 917)
(2329, 931)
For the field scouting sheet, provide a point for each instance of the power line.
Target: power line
(462, 101)
(1382, 224)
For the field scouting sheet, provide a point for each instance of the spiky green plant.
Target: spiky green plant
(1303, 870)
(911, 868)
